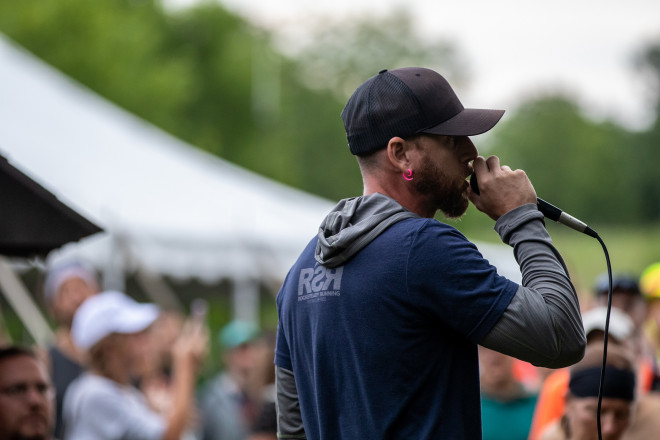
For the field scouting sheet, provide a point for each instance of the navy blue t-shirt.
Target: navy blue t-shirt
(385, 346)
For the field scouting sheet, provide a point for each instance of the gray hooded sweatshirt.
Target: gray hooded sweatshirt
(353, 224)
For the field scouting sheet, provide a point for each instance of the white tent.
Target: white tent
(165, 205)
(174, 208)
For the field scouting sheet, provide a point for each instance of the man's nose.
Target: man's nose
(35, 396)
(608, 423)
(467, 147)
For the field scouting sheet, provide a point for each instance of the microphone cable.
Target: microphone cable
(556, 214)
(605, 341)
(559, 216)
(553, 213)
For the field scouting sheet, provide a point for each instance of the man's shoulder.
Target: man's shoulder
(427, 234)
(420, 227)
(422, 224)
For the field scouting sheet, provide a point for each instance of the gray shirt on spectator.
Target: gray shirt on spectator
(98, 408)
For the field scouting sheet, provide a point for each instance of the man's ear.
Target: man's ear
(399, 153)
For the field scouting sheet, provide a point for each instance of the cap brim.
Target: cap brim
(136, 318)
(469, 122)
(620, 327)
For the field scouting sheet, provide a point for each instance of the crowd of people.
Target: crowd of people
(527, 403)
(121, 369)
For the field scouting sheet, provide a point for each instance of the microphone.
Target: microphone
(551, 212)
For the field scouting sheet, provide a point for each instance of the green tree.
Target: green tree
(648, 156)
(583, 165)
(217, 47)
(114, 47)
(339, 54)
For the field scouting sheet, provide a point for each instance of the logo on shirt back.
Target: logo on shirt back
(319, 282)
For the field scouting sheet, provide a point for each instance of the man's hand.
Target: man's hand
(500, 188)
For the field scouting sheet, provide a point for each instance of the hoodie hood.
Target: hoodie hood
(353, 224)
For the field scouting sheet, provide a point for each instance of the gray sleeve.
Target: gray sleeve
(542, 324)
(289, 419)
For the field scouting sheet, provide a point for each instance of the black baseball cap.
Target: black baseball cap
(407, 101)
(621, 283)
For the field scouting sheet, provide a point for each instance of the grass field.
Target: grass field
(631, 249)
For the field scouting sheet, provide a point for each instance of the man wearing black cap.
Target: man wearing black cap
(626, 296)
(380, 317)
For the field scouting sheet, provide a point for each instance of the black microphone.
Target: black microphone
(551, 212)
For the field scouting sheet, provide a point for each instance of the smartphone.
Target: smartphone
(198, 310)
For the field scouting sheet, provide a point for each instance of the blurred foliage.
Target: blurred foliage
(631, 250)
(115, 47)
(569, 158)
(649, 142)
(339, 55)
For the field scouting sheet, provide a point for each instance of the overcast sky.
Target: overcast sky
(517, 47)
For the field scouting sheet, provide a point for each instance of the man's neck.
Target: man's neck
(403, 195)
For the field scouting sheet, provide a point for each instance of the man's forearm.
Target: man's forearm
(542, 324)
(289, 419)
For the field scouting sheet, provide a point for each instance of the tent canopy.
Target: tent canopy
(175, 208)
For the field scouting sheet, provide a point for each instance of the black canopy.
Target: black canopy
(32, 220)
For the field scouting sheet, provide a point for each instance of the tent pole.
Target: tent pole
(246, 299)
(158, 290)
(5, 337)
(20, 300)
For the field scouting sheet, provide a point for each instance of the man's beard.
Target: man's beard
(448, 195)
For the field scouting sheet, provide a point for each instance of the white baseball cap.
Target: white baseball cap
(107, 313)
(621, 326)
(63, 271)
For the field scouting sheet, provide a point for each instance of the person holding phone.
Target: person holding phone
(102, 403)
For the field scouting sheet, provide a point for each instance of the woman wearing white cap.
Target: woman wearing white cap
(102, 403)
